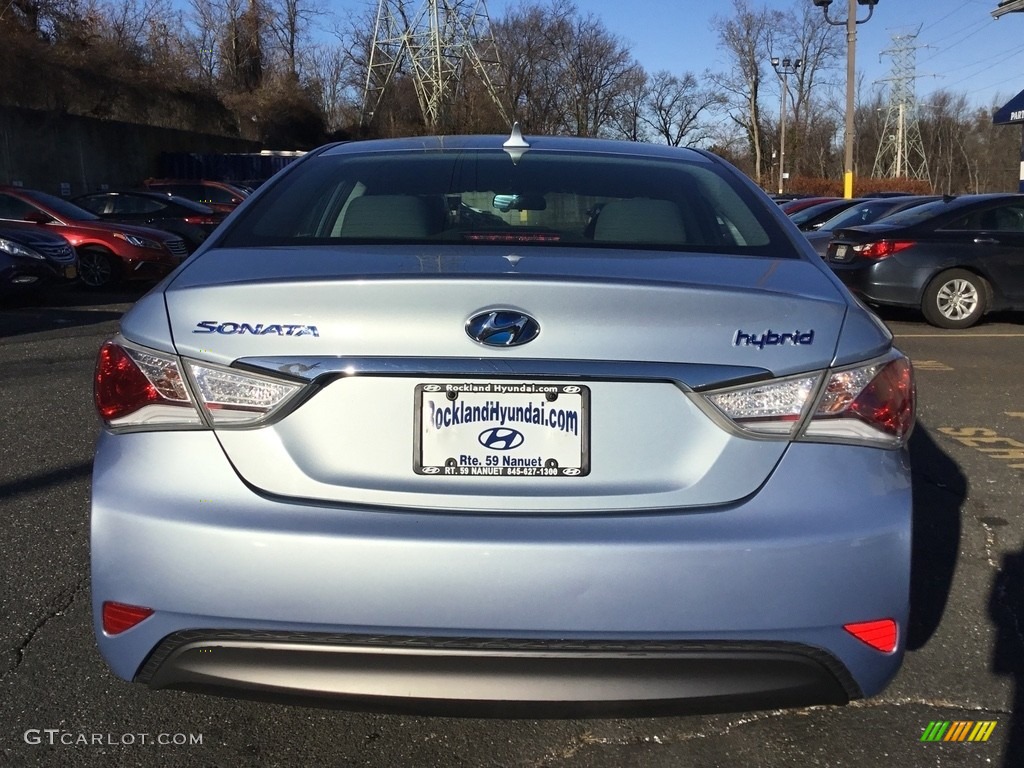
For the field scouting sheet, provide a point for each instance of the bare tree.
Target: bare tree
(531, 39)
(328, 74)
(944, 125)
(289, 22)
(674, 106)
(995, 152)
(241, 44)
(129, 24)
(744, 38)
(599, 69)
(628, 121)
(803, 33)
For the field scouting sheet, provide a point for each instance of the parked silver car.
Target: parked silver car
(524, 425)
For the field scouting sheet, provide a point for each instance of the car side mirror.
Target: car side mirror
(38, 217)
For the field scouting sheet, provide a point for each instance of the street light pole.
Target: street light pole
(784, 68)
(851, 23)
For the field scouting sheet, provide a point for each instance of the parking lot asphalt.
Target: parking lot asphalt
(60, 706)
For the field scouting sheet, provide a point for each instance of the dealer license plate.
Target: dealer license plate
(71, 272)
(502, 428)
(841, 253)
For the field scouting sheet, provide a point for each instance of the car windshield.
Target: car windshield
(864, 213)
(814, 211)
(546, 198)
(61, 207)
(918, 213)
(184, 202)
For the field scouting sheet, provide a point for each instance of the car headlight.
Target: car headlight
(17, 249)
(139, 242)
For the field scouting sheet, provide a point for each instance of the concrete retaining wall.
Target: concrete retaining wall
(69, 154)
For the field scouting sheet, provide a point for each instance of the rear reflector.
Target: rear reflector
(880, 635)
(119, 617)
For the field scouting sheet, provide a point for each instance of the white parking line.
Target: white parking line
(960, 335)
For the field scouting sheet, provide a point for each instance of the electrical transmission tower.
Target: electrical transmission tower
(435, 46)
(901, 150)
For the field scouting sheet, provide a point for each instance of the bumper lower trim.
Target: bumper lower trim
(499, 676)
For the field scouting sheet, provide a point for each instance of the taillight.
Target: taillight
(120, 617)
(202, 221)
(770, 409)
(133, 387)
(882, 249)
(870, 404)
(138, 388)
(231, 397)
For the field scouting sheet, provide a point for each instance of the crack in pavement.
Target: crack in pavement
(63, 603)
(586, 739)
(906, 701)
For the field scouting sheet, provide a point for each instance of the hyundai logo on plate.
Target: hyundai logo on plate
(501, 438)
(502, 328)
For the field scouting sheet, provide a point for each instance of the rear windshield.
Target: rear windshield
(479, 197)
(61, 206)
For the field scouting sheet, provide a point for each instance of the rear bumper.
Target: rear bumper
(466, 676)
(785, 569)
(891, 282)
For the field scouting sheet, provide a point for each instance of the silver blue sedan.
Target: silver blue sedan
(518, 425)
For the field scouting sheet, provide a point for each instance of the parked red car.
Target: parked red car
(798, 204)
(219, 195)
(107, 252)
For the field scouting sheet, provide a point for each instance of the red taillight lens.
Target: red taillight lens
(120, 386)
(872, 404)
(888, 401)
(880, 635)
(119, 617)
(133, 387)
(882, 249)
(202, 221)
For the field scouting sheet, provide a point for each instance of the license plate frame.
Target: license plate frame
(500, 428)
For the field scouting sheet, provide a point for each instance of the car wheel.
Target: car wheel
(955, 299)
(98, 269)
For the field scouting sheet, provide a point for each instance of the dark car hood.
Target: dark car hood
(31, 235)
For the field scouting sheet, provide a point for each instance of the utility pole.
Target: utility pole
(851, 23)
(901, 151)
(784, 68)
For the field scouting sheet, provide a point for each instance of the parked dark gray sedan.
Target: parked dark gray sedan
(864, 212)
(954, 259)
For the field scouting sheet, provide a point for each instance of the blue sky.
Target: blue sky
(971, 52)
